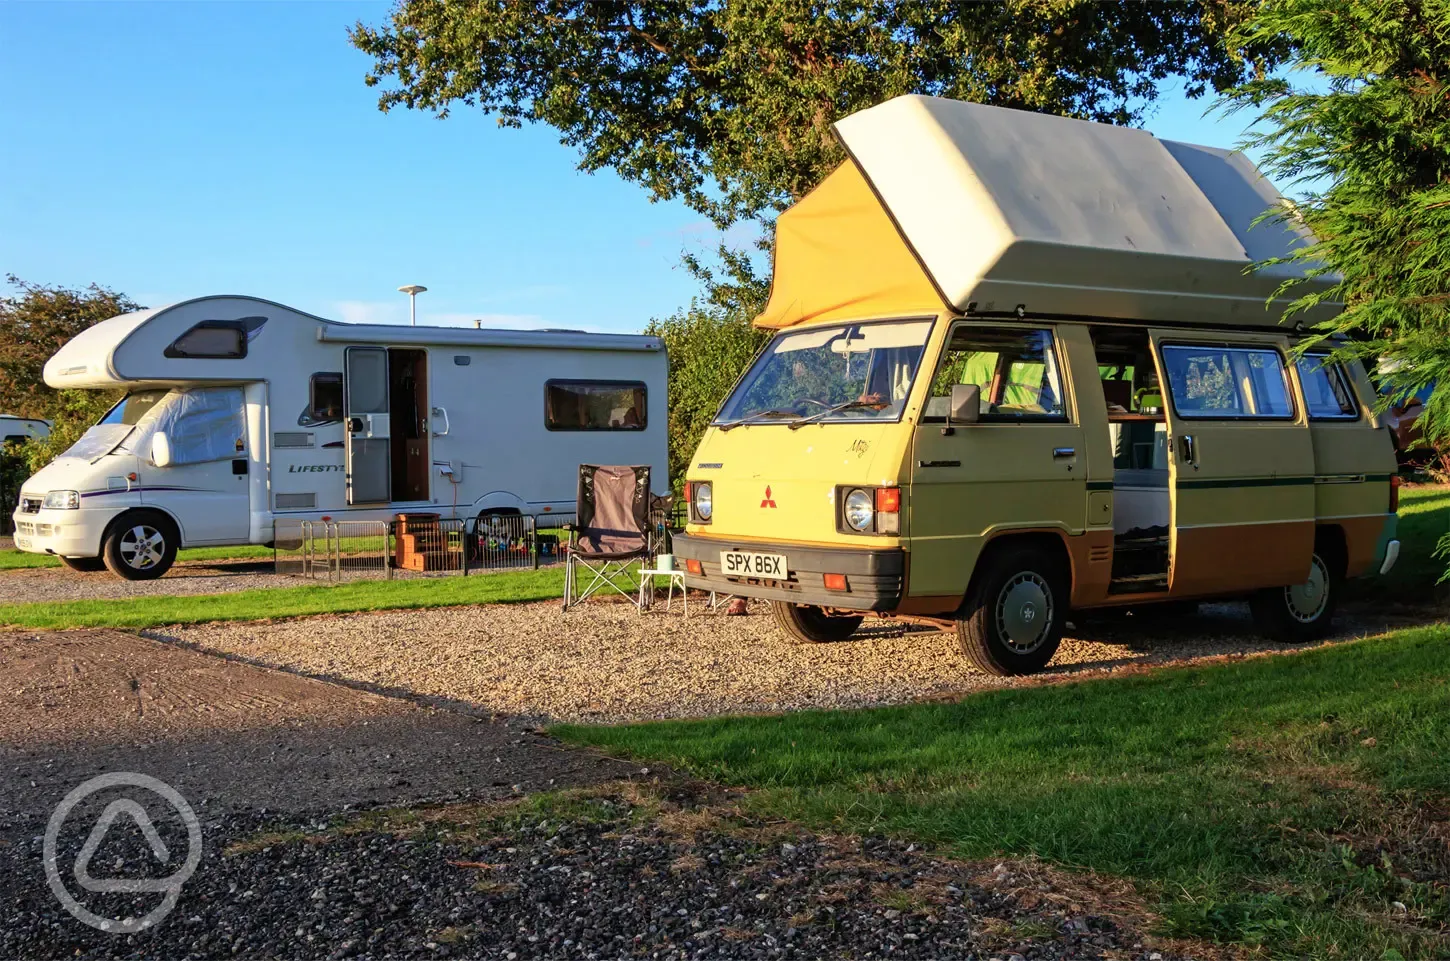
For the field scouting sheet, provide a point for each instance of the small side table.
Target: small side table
(647, 584)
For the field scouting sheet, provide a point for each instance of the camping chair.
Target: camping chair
(612, 528)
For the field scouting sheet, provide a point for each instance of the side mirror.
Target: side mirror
(161, 449)
(966, 405)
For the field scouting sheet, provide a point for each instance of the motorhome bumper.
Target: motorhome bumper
(874, 577)
(63, 533)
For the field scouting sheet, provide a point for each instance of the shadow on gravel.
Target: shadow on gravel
(236, 737)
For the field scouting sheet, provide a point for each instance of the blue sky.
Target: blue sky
(170, 150)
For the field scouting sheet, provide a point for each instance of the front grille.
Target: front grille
(30, 505)
(25, 527)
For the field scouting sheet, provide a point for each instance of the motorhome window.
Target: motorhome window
(857, 371)
(16, 438)
(325, 403)
(133, 407)
(1015, 368)
(216, 339)
(594, 405)
(1222, 382)
(1326, 392)
(206, 425)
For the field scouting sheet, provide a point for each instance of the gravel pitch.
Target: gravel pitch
(209, 577)
(612, 875)
(606, 663)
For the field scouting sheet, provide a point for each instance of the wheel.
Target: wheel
(141, 546)
(812, 624)
(87, 564)
(1301, 612)
(1014, 617)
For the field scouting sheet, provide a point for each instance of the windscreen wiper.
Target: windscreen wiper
(848, 405)
(754, 418)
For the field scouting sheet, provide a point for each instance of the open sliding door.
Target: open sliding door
(365, 402)
(1241, 463)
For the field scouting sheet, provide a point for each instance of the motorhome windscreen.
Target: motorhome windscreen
(133, 407)
(853, 371)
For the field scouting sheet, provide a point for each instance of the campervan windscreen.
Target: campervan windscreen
(848, 372)
(118, 423)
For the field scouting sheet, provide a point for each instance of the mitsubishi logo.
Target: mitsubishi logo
(769, 501)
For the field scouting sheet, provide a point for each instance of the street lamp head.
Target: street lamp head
(412, 289)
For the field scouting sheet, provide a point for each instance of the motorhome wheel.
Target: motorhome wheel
(1014, 619)
(1300, 612)
(813, 625)
(140, 546)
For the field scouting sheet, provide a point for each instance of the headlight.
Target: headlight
(860, 508)
(62, 500)
(703, 503)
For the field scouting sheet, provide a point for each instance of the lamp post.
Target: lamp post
(412, 290)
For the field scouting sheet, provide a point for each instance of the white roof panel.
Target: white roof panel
(1006, 207)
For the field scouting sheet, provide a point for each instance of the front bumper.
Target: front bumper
(63, 533)
(875, 577)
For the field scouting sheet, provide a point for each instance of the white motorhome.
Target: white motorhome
(240, 413)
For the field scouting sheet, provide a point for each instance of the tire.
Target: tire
(1302, 612)
(1014, 617)
(87, 564)
(141, 546)
(813, 625)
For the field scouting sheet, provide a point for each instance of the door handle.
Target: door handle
(239, 466)
(1189, 450)
(1058, 452)
(442, 412)
(355, 425)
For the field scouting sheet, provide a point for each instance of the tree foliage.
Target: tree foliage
(709, 349)
(727, 105)
(35, 322)
(1371, 143)
(71, 413)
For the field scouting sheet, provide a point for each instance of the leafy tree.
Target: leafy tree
(727, 104)
(709, 349)
(35, 322)
(1370, 143)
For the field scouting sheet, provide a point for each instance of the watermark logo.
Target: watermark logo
(122, 808)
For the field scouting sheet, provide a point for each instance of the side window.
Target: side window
(207, 425)
(1218, 382)
(1016, 369)
(217, 339)
(325, 404)
(1326, 390)
(594, 405)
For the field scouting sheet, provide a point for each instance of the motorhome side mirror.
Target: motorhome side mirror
(966, 404)
(160, 449)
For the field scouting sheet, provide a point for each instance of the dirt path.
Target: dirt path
(227, 734)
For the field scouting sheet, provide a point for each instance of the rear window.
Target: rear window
(594, 405)
(1326, 389)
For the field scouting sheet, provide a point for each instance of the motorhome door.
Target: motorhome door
(365, 402)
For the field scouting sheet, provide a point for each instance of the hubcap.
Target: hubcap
(1306, 601)
(142, 547)
(1024, 612)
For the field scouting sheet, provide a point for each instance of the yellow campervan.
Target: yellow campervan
(1020, 369)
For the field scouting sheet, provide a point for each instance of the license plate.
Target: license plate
(751, 564)
(22, 542)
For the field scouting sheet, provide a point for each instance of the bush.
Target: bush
(709, 349)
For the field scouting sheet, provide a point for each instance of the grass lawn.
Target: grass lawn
(12, 560)
(140, 612)
(1424, 519)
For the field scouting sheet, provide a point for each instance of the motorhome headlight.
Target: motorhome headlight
(860, 510)
(62, 500)
(704, 501)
